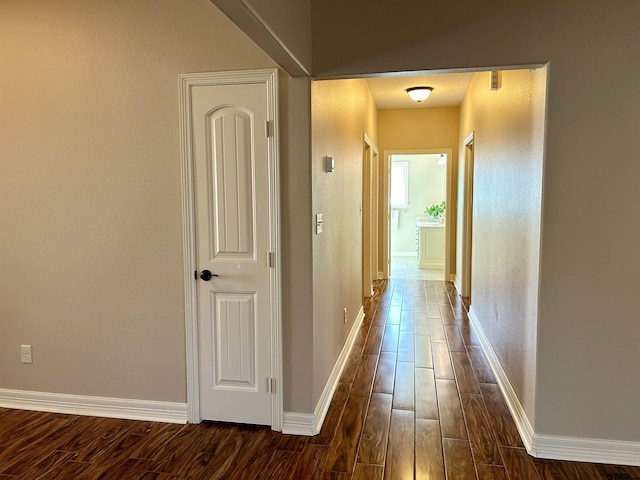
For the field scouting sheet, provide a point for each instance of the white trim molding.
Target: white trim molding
(130, 409)
(268, 77)
(300, 424)
(310, 423)
(592, 450)
(457, 284)
(515, 407)
(556, 447)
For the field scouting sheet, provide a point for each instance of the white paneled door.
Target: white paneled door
(230, 142)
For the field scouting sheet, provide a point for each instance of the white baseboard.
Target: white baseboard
(517, 411)
(431, 265)
(556, 447)
(380, 275)
(452, 278)
(457, 284)
(310, 423)
(300, 424)
(404, 254)
(592, 450)
(147, 410)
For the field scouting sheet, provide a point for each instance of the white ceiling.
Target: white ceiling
(448, 90)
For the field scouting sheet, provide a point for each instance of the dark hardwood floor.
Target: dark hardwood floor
(416, 400)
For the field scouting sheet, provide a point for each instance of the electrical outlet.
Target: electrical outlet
(344, 314)
(26, 354)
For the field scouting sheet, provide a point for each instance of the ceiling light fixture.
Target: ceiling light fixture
(418, 94)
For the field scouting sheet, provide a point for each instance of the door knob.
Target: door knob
(206, 275)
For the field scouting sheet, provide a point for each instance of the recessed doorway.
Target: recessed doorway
(466, 173)
(418, 202)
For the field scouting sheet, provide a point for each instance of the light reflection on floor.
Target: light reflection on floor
(407, 268)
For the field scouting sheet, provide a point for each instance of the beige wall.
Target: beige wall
(295, 188)
(342, 112)
(290, 21)
(89, 162)
(90, 189)
(587, 326)
(416, 129)
(508, 127)
(282, 28)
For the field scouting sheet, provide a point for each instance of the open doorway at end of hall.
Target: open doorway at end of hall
(418, 201)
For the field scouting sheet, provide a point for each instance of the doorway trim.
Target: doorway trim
(370, 192)
(385, 213)
(463, 285)
(187, 81)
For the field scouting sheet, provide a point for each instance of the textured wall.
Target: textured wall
(282, 28)
(507, 190)
(90, 189)
(295, 187)
(342, 112)
(290, 21)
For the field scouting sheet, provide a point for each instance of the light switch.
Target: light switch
(319, 223)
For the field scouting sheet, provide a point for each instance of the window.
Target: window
(399, 185)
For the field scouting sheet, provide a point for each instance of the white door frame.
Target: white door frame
(369, 222)
(467, 216)
(187, 81)
(385, 214)
(375, 213)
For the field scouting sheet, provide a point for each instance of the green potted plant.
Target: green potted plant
(436, 211)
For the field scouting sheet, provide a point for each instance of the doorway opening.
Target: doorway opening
(463, 285)
(418, 197)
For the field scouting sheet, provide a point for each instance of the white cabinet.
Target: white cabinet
(431, 246)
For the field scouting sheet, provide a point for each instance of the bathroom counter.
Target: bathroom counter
(425, 224)
(431, 245)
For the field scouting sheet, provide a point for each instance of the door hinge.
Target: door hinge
(195, 274)
(271, 262)
(268, 129)
(271, 385)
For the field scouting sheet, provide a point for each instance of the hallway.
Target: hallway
(416, 400)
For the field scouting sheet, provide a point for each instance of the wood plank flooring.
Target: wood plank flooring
(416, 400)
